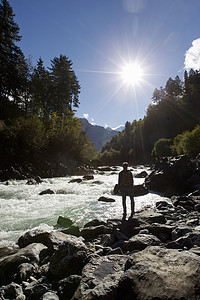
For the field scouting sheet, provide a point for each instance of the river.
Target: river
(22, 208)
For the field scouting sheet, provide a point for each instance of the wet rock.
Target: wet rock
(78, 180)
(88, 177)
(9, 264)
(64, 222)
(158, 273)
(73, 230)
(47, 191)
(36, 290)
(106, 199)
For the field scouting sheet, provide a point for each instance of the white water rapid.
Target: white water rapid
(22, 208)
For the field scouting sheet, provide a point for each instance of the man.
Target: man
(125, 183)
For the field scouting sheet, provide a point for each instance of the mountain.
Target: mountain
(97, 134)
(119, 128)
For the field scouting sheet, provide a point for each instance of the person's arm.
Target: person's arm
(132, 181)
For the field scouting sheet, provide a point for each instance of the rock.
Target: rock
(158, 273)
(73, 230)
(53, 240)
(64, 222)
(140, 190)
(93, 231)
(106, 199)
(69, 260)
(104, 168)
(23, 272)
(9, 264)
(88, 177)
(68, 286)
(171, 173)
(160, 205)
(95, 222)
(50, 296)
(11, 291)
(100, 278)
(189, 240)
(36, 290)
(162, 231)
(47, 191)
(151, 216)
(141, 241)
(78, 180)
(142, 174)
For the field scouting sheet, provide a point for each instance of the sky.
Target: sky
(121, 49)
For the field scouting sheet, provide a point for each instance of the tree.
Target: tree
(65, 85)
(40, 91)
(162, 148)
(11, 56)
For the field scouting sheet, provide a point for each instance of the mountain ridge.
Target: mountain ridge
(98, 135)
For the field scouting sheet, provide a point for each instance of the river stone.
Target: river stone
(49, 296)
(47, 191)
(9, 264)
(141, 241)
(64, 222)
(106, 199)
(100, 278)
(164, 274)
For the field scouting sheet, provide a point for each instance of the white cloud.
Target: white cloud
(192, 56)
(86, 116)
(92, 121)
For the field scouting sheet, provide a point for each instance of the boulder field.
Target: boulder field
(154, 255)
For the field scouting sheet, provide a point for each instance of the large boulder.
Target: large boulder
(158, 273)
(100, 278)
(54, 240)
(171, 174)
(69, 259)
(9, 264)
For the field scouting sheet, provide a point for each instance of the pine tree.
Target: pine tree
(11, 57)
(65, 85)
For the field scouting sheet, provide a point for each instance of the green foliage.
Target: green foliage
(188, 142)
(174, 110)
(162, 148)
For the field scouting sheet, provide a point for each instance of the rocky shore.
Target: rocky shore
(153, 255)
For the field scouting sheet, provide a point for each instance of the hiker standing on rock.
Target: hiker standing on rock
(126, 183)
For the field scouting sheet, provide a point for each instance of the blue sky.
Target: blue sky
(102, 36)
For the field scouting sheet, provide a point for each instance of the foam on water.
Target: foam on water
(22, 208)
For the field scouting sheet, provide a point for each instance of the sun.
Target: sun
(132, 73)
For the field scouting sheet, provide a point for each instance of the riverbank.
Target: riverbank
(155, 254)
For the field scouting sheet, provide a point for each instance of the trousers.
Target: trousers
(127, 191)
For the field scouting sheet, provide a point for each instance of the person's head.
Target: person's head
(125, 165)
